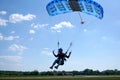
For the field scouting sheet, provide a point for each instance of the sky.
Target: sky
(28, 35)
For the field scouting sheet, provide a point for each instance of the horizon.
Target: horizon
(64, 70)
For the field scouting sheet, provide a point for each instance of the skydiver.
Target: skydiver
(60, 58)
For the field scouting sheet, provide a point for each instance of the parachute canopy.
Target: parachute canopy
(91, 7)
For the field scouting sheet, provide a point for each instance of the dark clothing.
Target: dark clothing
(61, 56)
(59, 61)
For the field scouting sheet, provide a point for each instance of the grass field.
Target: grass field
(63, 78)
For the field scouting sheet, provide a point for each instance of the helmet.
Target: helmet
(60, 49)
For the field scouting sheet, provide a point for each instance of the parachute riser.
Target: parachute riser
(82, 22)
(69, 47)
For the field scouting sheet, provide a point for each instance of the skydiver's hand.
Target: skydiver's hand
(53, 51)
(70, 52)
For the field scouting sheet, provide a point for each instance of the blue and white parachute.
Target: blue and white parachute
(91, 7)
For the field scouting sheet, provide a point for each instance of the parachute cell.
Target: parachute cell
(91, 7)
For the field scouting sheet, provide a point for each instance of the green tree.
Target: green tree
(35, 72)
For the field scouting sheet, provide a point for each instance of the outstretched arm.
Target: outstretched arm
(68, 55)
(54, 54)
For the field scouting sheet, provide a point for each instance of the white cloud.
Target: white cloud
(13, 18)
(3, 22)
(38, 25)
(85, 30)
(32, 31)
(18, 48)
(12, 58)
(3, 12)
(46, 51)
(1, 36)
(63, 24)
(12, 32)
(10, 38)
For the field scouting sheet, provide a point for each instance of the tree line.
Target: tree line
(59, 73)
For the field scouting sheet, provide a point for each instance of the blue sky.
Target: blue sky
(28, 35)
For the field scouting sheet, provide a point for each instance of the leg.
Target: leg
(54, 63)
(59, 63)
(57, 66)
